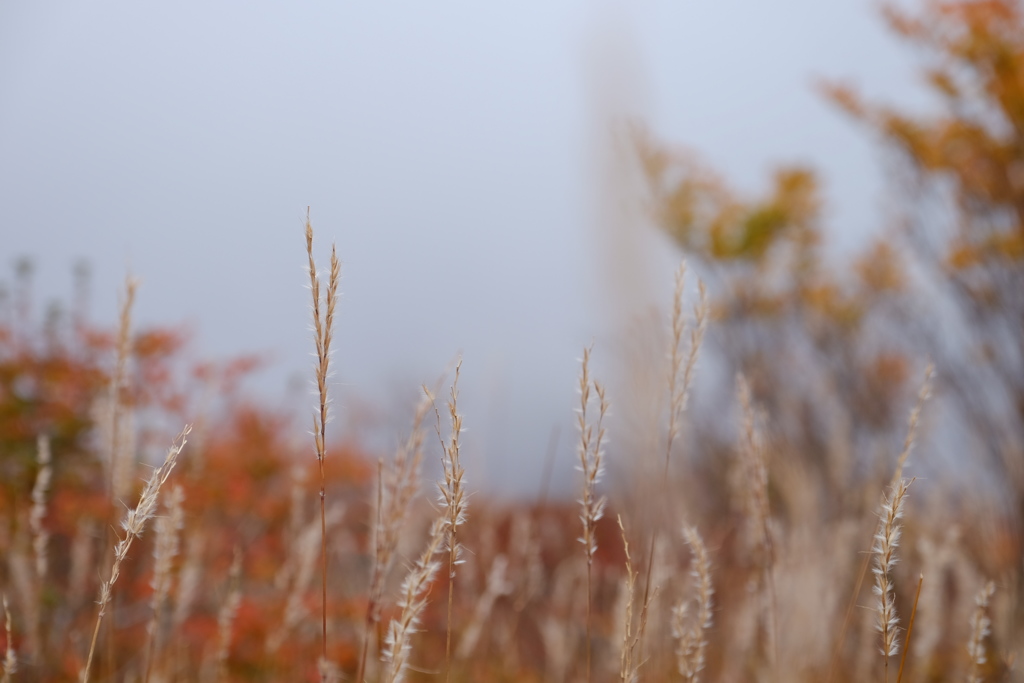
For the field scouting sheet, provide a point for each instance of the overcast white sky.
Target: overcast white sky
(451, 149)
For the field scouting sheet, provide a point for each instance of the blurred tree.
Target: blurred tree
(969, 160)
(828, 351)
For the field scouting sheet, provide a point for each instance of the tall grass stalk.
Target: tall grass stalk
(323, 330)
(134, 523)
(680, 375)
(691, 640)
(910, 630)
(453, 501)
(591, 454)
(886, 542)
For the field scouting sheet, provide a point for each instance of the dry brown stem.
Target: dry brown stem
(680, 377)
(910, 630)
(323, 329)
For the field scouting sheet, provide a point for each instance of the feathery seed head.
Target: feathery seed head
(886, 541)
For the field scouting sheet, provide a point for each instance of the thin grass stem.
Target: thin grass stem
(910, 630)
(323, 328)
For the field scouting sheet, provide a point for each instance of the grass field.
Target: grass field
(253, 554)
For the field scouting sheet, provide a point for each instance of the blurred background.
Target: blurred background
(462, 156)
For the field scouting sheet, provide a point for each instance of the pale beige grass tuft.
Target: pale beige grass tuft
(134, 523)
(453, 502)
(413, 600)
(691, 639)
(591, 455)
(886, 541)
(910, 629)
(680, 376)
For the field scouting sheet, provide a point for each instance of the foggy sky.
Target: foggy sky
(455, 151)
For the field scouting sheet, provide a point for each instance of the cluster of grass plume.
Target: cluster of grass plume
(527, 607)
